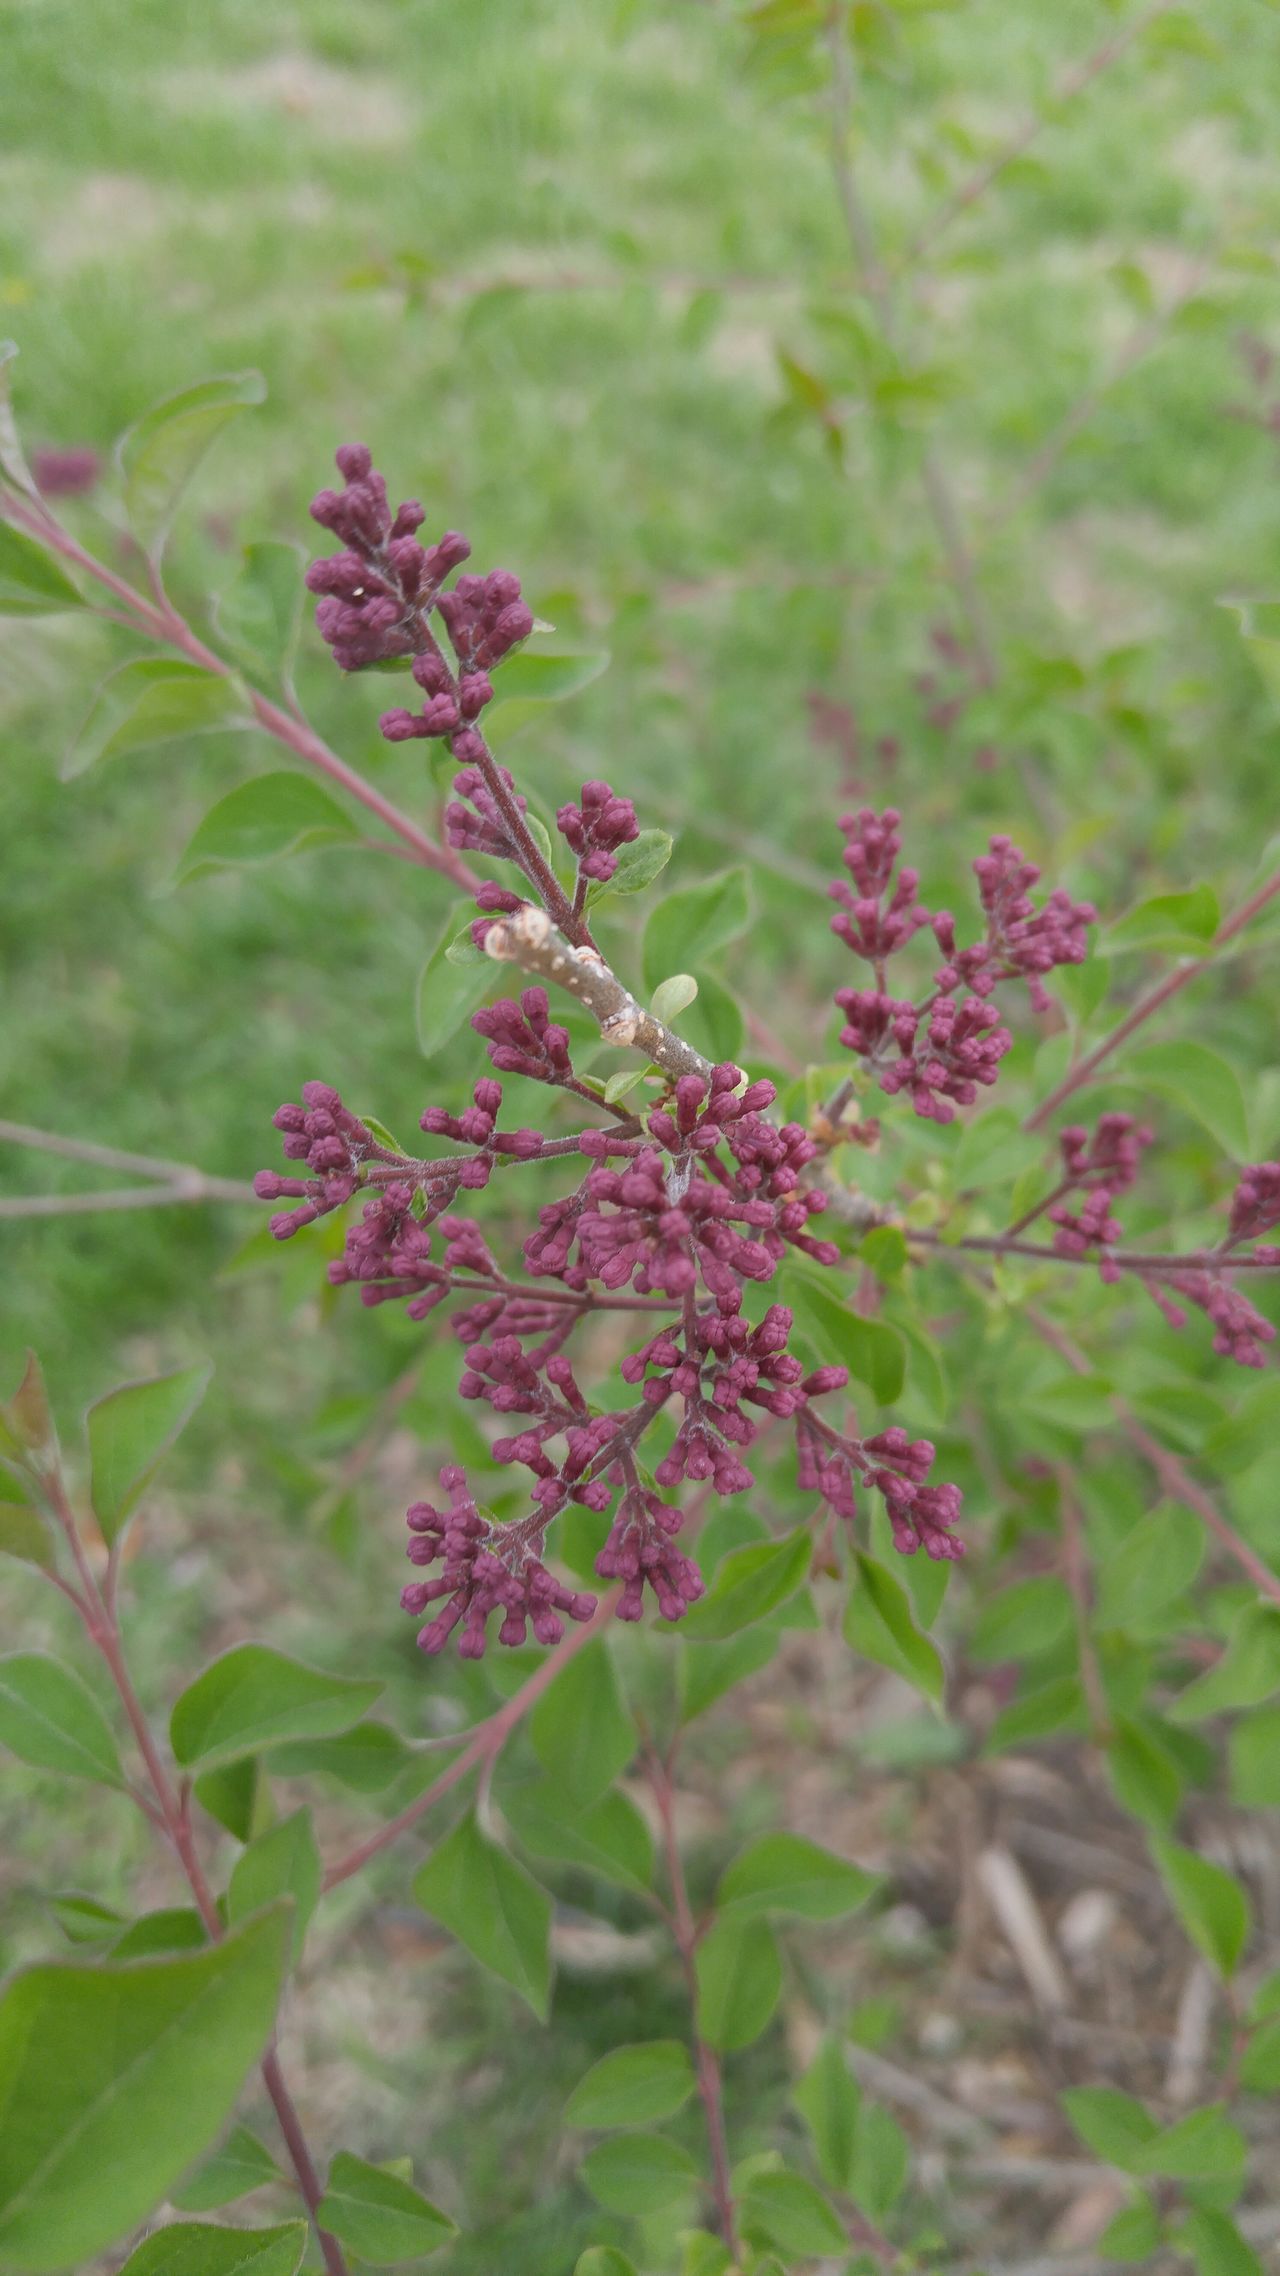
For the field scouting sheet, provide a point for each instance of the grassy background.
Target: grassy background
(575, 269)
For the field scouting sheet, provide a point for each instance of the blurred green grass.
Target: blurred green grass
(543, 255)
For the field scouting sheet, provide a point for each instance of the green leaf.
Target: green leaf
(1198, 1081)
(604, 2260)
(610, 1839)
(31, 581)
(580, 1729)
(878, 1622)
(232, 1793)
(27, 1420)
(158, 455)
(1115, 2127)
(1251, 1432)
(236, 2169)
(633, 2086)
(49, 1719)
(151, 699)
(793, 2214)
(366, 1759)
(1156, 1561)
(713, 1669)
(130, 1430)
(23, 1534)
(1212, 1906)
(1260, 2063)
(1203, 2146)
(201, 2248)
(639, 862)
(713, 1023)
(378, 2216)
(881, 2162)
(1173, 924)
(448, 992)
(531, 680)
(258, 614)
(97, 2115)
(1055, 1706)
(261, 820)
(829, 2100)
(1134, 2233)
(750, 1583)
(1216, 2245)
(1247, 1673)
(872, 1351)
(782, 1872)
(253, 1696)
(739, 1982)
(283, 1862)
(690, 925)
(1016, 1623)
(1254, 1755)
(638, 2173)
(84, 1919)
(174, 1928)
(1144, 1778)
(673, 996)
(493, 1907)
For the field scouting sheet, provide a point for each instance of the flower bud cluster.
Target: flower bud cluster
(921, 1516)
(595, 829)
(522, 1039)
(1255, 1205)
(1240, 1331)
(486, 1568)
(375, 592)
(336, 1147)
(1100, 1167)
(942, 1059)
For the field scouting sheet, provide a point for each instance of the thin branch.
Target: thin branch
(486, 1743)
(123, 1197)
(109, 1157)
(706, 2062)
(1130, 1260)
(1072, 83)
(1154, 1000)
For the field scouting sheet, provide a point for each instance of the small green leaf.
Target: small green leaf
(158, 455)
(1216, 2245)
(1203, 2146)
(283, 1862)
(258, 614)
(1200, 1082)
(31, 581)
(1134, 2234)
(633, 2086)
(782, 1872)
(690, 925)
(23, 1534)
(96, 2069)
(791, 2213)
(1172, 924)
(829, 2100)
(201, 2248)
(235, 2170)
(713, 1669)
(1156, 1561)
(881, 2162)
(714, 1022)
(252, 1697)
(739, 1982)
(1260, 2063)
(261, 820)
(1247, 1673)
(379, 2216)
(49, 1719)
(532, 680)
(878, 1622)
(152, 699)
(232, 1795)
(750, 1583)
(83, 1919)
(493, 1907)
(1144, 1777)
(871, 1350)
(580, 1729)
(1114, 2126)
(1254, 1754)
(174, 1928)
(1249, 1434)
(130, 1430)
(610, 1839)
(1211, 1905)
(639, 862)
(673, 996)
(366, 1759)
(449, 992)
(604, 2260)
(1029, 1617)
(638, 2173)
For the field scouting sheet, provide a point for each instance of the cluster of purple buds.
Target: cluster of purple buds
(448, 708)
(474, 823)
(485, 618)
(641, 1548)
(596, 828)
(1255, 1204)
(486, 1568)
(512, 1381)
(874, 922)
(921, 1516)
(522, 1039)
(1022, 942)
(374, 594)
(335, 1145)
(1101, 1167)
(1240, 1331)
(942, 1058)
(477, 1126)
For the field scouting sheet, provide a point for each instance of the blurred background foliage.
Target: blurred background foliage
(578, 271)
